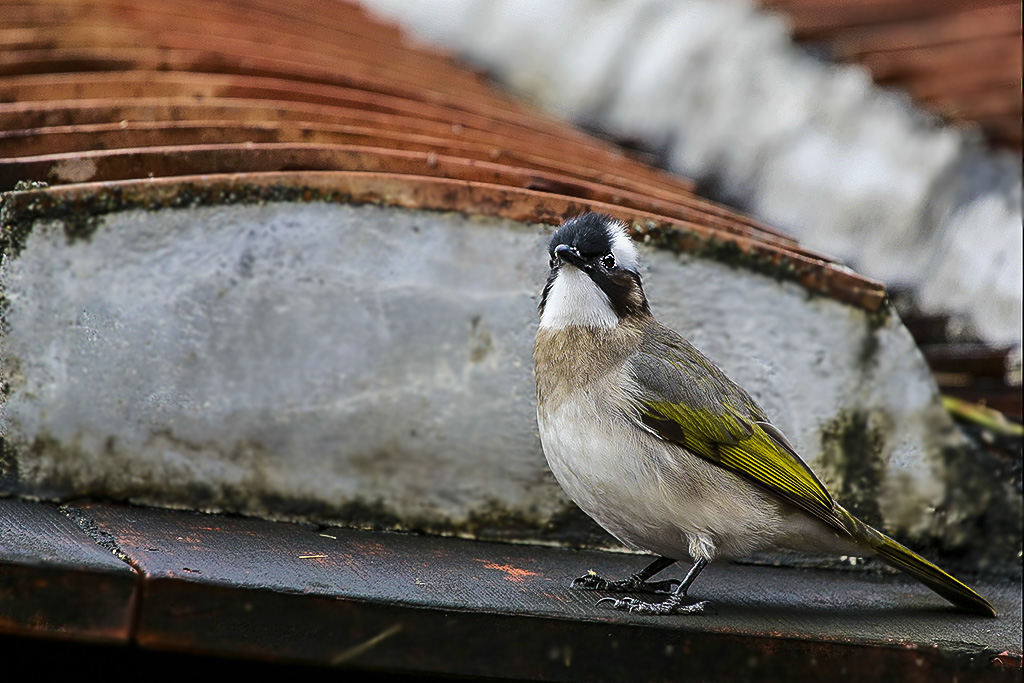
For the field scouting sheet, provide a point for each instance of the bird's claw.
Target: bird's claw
(673, 605)
(590, 582)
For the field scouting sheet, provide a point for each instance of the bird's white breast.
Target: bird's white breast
(649, 493)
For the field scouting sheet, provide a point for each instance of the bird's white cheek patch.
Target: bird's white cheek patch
(574, 300)
(623, 247)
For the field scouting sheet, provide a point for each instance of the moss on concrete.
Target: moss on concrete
(727, 252)
(851, 457)
(867, 355)
(980, 522)
(81, 216)
(570, 526)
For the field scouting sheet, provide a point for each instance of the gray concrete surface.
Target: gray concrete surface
(372, 365)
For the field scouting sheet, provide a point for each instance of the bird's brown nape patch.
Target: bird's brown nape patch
(625, 291)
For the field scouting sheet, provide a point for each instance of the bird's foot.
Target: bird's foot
(673, 605)
(634, 584)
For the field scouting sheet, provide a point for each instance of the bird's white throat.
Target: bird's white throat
(575, 300)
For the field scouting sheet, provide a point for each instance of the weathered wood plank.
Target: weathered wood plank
(55, 580)
(252, 588)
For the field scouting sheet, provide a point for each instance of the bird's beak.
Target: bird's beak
(571, 256)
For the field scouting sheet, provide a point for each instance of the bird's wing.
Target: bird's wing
(686, 399)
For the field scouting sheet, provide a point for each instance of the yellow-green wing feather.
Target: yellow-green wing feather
(687, 399)
(742, 445)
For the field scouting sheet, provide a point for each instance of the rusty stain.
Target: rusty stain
(370, 548)
(1008, 660)
(162, 161)
(511, 573)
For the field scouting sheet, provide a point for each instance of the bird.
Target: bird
(654, 442)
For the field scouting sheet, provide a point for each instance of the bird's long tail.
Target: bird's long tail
(899, 556)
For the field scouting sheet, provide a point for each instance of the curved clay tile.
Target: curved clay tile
(108, 91)
(962, 60)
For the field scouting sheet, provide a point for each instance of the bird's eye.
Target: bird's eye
(608, 261)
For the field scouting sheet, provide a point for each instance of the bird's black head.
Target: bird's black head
(594, 279)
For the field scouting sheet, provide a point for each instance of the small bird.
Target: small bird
(653, 441)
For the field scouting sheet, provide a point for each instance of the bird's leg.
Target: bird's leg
(673, 604)
(637, 583)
